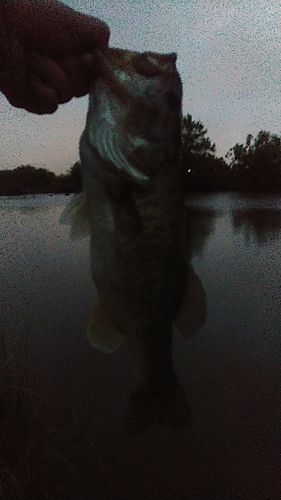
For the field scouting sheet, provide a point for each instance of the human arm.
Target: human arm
(47, 53)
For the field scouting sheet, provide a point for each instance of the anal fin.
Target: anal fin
(102, 333)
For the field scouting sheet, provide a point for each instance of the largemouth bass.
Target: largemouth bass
(132, 205)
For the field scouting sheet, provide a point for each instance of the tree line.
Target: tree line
(255, 165)
(27, 179)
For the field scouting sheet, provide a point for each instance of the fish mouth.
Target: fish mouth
(147, 64)
(109, 78)
(151, 65)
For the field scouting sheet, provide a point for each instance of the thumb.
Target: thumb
(52, 27)
(86, 32)
(89, 31)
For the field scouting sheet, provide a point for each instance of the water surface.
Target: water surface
(229, 369)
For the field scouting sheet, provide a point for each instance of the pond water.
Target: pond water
(230, 369)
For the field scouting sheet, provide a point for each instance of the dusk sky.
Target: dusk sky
(229, 59)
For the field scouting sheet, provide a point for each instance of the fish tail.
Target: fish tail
(169, 409)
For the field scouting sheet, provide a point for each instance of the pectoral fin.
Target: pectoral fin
(77, 214)
(102, 333)
(193, 310)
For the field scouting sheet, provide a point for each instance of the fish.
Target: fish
(132, 205)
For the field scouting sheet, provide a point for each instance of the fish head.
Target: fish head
(134, 118)
(149, 87)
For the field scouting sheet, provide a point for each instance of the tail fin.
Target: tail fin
(170, 410)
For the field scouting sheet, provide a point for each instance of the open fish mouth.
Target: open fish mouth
(147, 64)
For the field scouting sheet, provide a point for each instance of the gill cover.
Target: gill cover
(115, 146)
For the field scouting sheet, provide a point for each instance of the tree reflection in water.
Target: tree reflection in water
(262, 223)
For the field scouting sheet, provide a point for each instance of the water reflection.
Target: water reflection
(30, 204)
(229, 371)
(264, 223)
(141, 310)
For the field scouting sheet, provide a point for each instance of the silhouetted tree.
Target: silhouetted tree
(26, 179)
(204, 171)
(257, 164)
(253, 165)
(71, 182)
(76, 176)
(194, 140)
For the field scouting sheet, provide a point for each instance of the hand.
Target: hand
(47, 53)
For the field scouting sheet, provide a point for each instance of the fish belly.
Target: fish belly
(141, 281)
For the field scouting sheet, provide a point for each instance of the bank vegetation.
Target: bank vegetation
(255, 165)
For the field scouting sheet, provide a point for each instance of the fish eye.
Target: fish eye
(145, 67)
(173, 100)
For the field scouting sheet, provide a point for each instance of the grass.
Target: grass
(35, 455)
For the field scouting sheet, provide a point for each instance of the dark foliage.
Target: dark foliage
(203, 170)
(253, 166)
(257, 164)
(30, 180)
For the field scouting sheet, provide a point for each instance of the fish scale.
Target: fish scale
(133, 192)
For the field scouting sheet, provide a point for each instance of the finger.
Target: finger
(52, 27)
(81, 72)
(28, 92)
(42, 98)
(10, 82)
(89, 68)
(85, 32)
(51, 74)
(91, 32)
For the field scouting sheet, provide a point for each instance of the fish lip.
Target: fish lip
(147, 65)
(118, 89)
(109, 79)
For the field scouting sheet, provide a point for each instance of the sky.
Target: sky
(229, 59)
